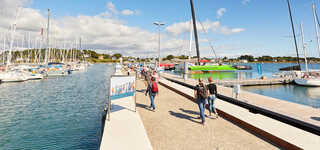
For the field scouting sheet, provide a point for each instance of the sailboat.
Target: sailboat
(11, 75)
(297, 67)
(205, 67)
(308, 79)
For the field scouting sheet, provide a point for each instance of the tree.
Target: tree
(169, 57)
(249, 58)
(106, 56)
(117, 55)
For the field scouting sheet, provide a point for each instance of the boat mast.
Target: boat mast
(13, 30)
(195, 31)
(190, 43)
(316, 27)
(294, 34)
(48, 47)
(4, 47)
(304, 48)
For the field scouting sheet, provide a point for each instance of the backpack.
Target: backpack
(154, 88)
(203, 92)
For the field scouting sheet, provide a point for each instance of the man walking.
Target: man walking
(201, 94)
(213, 92)
(152, 90)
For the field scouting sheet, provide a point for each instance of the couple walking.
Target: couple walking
(204, 93)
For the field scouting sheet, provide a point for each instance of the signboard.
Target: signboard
(122, 86)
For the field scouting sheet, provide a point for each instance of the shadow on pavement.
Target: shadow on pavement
(184, 116)
(143, 106)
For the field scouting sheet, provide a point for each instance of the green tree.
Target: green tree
(117, 55)
(169, 57)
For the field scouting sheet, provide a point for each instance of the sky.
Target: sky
(231, 27)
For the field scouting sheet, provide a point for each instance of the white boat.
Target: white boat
(308, 81)
(33, 76)
(12, 77)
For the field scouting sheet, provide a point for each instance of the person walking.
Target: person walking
(155, 75)
(201, 94)
(152, 90)
(212, 96)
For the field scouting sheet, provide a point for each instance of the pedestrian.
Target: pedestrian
(236, 90)
(154, 74)
(212, 96)
(152, 90)
(201, 94)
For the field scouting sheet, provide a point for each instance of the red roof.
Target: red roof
(166, 65)
(204, 60)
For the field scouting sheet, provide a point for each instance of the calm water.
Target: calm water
(309, 96)
(57, 113)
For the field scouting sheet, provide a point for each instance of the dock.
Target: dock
(176, 125)
(274, 130)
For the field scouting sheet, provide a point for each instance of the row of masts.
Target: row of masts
(316, 22)
(34, 47)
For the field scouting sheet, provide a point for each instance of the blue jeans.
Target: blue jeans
(152, 100)
(201, 104)
(211, 99)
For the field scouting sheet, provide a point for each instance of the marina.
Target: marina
(54, 113)
(162, 75)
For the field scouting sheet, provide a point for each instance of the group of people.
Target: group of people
(206, 94)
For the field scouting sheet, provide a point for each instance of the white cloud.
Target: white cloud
(245, 2)
(127, 12)
(220, 12)
(101, 31)
(214, 26)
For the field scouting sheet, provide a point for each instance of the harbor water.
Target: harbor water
(56, 113)
(309, 96)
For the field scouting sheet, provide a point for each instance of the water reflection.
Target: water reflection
(298, 94)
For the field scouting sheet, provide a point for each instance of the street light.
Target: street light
(159, 25)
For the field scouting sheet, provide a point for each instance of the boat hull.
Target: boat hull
(308, 82)
(222, 68)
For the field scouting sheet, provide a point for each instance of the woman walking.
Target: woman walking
(201, 94)
(213, 92)
(152, 90)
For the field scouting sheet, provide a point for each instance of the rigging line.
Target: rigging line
(317, 18)
(206, 32)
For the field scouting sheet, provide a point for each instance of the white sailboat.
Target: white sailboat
(307, 79)
(11, 75)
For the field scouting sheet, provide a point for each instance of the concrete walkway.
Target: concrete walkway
(125, 130)
(298, 111)
(298, 137)
(175, 125)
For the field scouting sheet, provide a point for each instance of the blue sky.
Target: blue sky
(265, 22)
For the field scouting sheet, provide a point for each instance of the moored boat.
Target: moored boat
(222, 68)
(308, 81)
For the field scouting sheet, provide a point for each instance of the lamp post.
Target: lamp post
(159, 25)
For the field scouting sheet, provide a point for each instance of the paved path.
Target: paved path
(125, 130)
(175, 125)
(281, 130)
(298, 111)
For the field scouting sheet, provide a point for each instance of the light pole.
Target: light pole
(159, 25)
